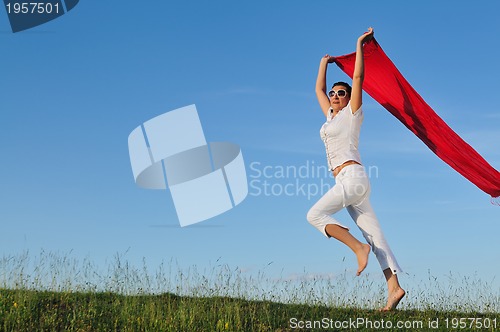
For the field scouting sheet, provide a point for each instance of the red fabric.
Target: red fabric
(386, 85)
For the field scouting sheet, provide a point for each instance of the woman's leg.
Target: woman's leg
(363, 215)
(362, 250)
(394, 290)
(352, 189)
(320, 217)
(320, 214)
(365, 218)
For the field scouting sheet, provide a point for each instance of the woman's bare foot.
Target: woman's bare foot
(362, 256)
(393, 300)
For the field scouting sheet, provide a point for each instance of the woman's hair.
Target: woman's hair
(345, 85)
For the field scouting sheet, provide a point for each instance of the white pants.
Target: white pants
(352, 191)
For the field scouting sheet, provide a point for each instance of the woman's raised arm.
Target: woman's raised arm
(359, 72)
(323, 100)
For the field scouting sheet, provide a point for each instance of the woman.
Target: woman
(340, 133)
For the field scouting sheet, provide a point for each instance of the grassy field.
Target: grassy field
(55, 293)
(64, 311)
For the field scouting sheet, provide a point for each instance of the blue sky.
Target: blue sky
(73, 89)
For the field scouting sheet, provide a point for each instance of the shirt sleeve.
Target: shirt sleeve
(358, 113)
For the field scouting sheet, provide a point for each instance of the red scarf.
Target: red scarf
(384, 83)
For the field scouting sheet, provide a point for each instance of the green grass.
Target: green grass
(52, 292)
(28, 310)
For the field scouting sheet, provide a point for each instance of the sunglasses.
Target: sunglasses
(339, 93)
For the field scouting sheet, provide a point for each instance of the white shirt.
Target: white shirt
(340, 133)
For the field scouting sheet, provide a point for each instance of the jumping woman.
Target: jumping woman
(340, 133)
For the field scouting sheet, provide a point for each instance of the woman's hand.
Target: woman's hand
(328, 59)
(366, 36)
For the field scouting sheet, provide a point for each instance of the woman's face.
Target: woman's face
(339, 98)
